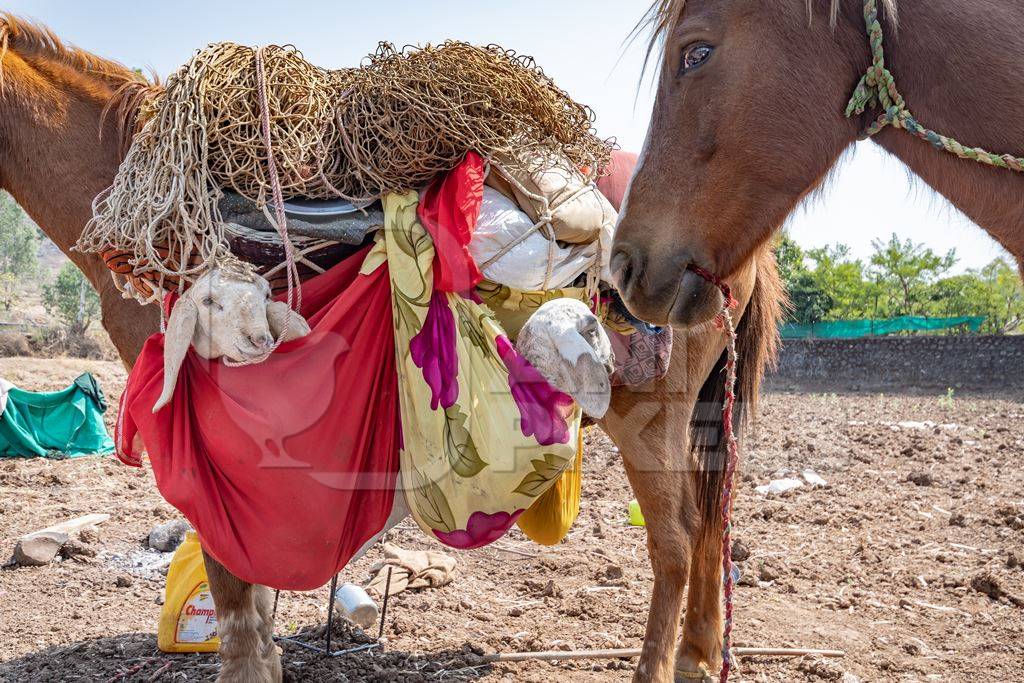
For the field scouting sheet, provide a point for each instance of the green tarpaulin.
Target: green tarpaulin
(64, 423)
(852, 329)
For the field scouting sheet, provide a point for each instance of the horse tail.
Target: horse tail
(757, 345)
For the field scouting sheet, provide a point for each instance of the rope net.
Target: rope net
(392, 124)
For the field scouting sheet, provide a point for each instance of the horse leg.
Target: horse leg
(702, 628)
(655, 458)
(245, 625)
(668, 540)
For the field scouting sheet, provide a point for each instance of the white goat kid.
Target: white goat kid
(226, 313)
(566, 343)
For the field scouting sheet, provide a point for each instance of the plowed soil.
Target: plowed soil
(911, 560)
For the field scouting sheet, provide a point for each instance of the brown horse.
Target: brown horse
(749, 119)
(58, 149)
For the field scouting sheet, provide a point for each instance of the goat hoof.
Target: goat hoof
(701, 674)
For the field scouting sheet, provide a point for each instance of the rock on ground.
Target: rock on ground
(168, 536)
(39, 548)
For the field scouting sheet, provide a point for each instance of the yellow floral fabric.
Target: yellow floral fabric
(483, 436)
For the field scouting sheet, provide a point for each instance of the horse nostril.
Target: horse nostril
(625, 267)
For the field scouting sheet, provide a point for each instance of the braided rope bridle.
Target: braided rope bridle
(877, 88)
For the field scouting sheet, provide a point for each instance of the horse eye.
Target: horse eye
(695, 56)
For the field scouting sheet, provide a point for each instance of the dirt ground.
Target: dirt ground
(911, 560)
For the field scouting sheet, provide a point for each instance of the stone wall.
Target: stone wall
(968, 362)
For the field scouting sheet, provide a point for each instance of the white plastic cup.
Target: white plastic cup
(356, 605)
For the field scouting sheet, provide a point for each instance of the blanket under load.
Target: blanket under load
(288, 467)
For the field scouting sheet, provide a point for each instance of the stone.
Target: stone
(740, 551)
(89, 536)
(75, 548)
(921, 478)
(988, 584)
(613, 572)
(770, 570)
(747, 578)
(168, 536)
(39, 549)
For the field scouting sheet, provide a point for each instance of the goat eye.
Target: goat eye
(695, 56)
(207, 301)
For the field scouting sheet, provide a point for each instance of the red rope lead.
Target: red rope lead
(732, 457)
(718, 282)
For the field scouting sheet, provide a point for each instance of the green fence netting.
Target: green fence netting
(852, 329)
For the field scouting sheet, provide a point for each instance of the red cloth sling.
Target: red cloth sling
(449, 211)
(288, 467)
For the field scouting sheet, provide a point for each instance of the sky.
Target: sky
(582, 44)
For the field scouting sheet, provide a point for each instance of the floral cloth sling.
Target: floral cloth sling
(483, 434)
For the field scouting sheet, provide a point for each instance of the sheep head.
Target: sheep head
(566, 343)
(226, 313)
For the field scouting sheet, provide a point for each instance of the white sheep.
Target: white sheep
(566, 343)
(226, 313)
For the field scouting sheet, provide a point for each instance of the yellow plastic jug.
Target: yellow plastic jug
(188, 622)
(636, 515)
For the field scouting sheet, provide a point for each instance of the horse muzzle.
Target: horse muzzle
(660, 290)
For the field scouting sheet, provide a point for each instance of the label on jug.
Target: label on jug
(197, 621)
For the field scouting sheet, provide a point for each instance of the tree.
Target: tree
(993, 292)
(19, 246)
(842, 279)
(904, 272)
(72, 300)
(1006, 297)
(809, 303)
(790, 257)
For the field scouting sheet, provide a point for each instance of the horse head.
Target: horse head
(748, 118)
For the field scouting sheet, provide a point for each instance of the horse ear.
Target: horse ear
(282, 319)
(181, 326)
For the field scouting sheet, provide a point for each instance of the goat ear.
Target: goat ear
(589, 377)
(597, 338)
(181, 326)
(280, 318)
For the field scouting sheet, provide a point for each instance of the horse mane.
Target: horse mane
(757, 342)
(31, 40)
(662, 15)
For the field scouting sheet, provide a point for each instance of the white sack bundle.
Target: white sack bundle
(579, 212)
(525, 265)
